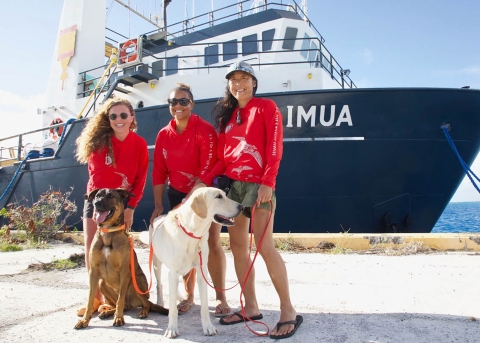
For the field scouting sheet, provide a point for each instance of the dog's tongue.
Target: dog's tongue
(99, 217)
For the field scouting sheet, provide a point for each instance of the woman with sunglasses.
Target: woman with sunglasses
(249, 152)
(185, 152)
(117, 158)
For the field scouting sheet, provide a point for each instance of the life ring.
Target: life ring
(56, 132)
(124, 56)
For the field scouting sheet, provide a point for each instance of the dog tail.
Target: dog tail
(144, 237)
(158, 309)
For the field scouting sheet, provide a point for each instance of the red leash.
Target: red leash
(247, 272)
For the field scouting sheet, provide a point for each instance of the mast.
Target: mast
(165, 4)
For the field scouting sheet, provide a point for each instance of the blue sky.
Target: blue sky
(385, 43)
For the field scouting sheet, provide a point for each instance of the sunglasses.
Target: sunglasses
(113, 116)
(182, 101)
(239, 118)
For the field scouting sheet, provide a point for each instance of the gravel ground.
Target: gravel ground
(342, 297)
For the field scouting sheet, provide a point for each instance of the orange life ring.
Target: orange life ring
(56, 132)
(124, 57)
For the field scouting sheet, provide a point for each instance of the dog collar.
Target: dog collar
(185, 230)
(112, 228)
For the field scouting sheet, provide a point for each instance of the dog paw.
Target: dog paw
(171, 332)
(143, 314)
(82, 323)
(209, 330)
(118, 321)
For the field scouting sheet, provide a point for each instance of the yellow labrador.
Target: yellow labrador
(176, 240)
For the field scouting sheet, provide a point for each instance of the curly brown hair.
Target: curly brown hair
(98, 133)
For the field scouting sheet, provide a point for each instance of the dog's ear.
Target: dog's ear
(199, 206)
(91, 195)
(124, 193)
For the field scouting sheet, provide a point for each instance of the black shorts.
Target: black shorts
(174, 197)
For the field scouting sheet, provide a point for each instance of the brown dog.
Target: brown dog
(110, 262)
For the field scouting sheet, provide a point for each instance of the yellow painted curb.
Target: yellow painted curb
(359, 241)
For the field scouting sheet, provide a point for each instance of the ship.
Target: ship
(355, 160)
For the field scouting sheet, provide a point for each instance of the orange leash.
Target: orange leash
(132, 266)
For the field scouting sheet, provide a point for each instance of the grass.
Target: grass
(74, 261)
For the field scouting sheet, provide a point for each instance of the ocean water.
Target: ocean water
(459, 217)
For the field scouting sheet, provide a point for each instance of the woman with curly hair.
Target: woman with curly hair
(117, 158)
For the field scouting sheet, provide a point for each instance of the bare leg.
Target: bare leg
(239, 244)
(275, 266)
(217, 267)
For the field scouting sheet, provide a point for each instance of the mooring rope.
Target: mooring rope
(465, 167)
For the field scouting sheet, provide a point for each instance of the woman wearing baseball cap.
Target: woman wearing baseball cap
(250, 148)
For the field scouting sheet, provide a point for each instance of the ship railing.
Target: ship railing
(315, 58)
(227, 13)
(15, 148)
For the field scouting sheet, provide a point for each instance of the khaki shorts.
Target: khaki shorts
(246, 193)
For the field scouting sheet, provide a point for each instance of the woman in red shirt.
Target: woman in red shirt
(250, 148)
(117, 158)
(185, 152)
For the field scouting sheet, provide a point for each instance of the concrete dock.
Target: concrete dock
(343, 297)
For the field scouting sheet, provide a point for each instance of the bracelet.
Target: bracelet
(131, 207)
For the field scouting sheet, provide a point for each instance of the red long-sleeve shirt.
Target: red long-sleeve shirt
(184, 158)
(130, 171)
(251, 152)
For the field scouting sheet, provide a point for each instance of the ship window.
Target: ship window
(289, 39)
(305, 46)
(326, 64)
(267, 39)
(313, 53)
(230, 51)
(157, 68)
(249, 45)
(172, 65)
(211, 54)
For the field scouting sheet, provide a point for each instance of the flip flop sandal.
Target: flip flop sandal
(96, 305)
(184, 304)
(241, 319)
(297, 322)
(219, 311)
(106, 307)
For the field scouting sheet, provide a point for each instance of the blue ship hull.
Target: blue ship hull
(356, 160)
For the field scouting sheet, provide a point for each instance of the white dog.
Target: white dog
(178, 238)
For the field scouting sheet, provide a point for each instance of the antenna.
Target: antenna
(137, 13)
